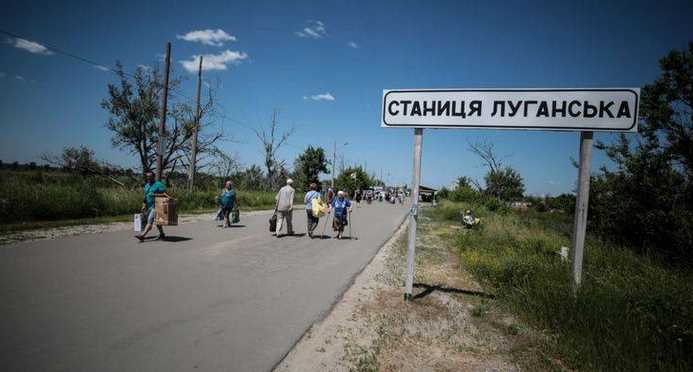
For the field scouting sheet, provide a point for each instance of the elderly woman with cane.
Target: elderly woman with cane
(342, 208)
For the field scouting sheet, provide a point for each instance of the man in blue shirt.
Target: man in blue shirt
(342, 207)
(151, 189)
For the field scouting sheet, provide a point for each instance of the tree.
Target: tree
(76, 160)
(502, 182)
(224, 165)
(308, 166)
(505, 184)
(251, 179)
(646, 202)
(81, 161)
(271, 141)
(134, 105)
(352, 179)
(463, 182)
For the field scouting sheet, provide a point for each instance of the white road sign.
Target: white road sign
(600, 109)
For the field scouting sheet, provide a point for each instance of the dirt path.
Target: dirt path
(373, 329)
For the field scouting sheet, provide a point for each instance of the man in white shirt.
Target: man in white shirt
(285, 207)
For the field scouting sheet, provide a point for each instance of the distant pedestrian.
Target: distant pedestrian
(313, 220)
(285, 207)
(329, 196)
(227, 199)
(357, 196)
(152, 189)
(342, 208)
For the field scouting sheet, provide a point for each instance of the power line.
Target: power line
(57, 50)
(101, 66)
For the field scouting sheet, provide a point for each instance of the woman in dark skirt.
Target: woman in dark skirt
(341, 207)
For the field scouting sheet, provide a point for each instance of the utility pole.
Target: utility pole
(162, 123)
(193, 155)
(334, 162)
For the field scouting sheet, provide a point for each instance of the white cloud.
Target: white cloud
(353, 45)
(30, 46)
(19, 77)
(214, 61)
(321, 97)
(144, 67)
(102, 68)
(208, 37)
(313, 30)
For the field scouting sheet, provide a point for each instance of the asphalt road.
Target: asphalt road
(210, 299)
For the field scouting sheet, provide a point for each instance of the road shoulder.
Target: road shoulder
(371, 328)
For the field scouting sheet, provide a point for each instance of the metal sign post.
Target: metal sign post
(411, 245)
(581, 203)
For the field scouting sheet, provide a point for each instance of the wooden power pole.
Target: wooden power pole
(334, 162)
(193, 154)
(162, 123)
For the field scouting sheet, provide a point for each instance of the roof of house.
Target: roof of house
(423, 188)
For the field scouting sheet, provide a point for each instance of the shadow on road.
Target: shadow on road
(175, 239)
(428, 289)
(292, 235)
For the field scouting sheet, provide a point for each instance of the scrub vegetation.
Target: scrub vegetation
(53, 195)
(631, 313)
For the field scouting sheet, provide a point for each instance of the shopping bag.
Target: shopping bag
(139, 222)
(235, 216)
(318, 207)
(273, 222)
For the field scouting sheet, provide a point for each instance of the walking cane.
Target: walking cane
(349, 216)
(324, 228)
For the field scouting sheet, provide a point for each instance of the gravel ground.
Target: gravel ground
(372, 329)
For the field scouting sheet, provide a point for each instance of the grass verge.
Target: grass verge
(630, 314)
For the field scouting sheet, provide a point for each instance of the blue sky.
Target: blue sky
(279, 54)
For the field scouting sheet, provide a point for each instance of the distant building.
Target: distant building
(426, 194)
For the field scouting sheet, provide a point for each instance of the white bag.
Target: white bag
(138, 223)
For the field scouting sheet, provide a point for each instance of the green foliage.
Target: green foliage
(464, 192)
(630, 314)
(37, 196)
(79, 160)
(308, 166)
(133, 108)
(251, 179)
(352, 179)
(646, 203)
(563, 202)
(504, 183)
